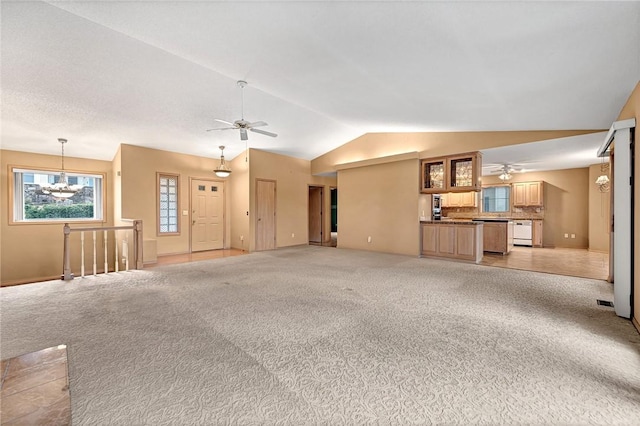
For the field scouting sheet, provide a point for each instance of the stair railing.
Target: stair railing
(136, 228)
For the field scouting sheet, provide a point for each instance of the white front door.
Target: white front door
(207, 215)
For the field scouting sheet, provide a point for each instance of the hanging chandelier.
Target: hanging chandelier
(61, 190)
(603, 179)
(223, 170)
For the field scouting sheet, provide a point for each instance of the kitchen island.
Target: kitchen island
(453, 239)
(497, 234)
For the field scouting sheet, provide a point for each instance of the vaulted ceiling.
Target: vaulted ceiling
(157, 73)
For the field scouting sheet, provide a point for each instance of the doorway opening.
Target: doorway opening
(316, 213)
(334, 217)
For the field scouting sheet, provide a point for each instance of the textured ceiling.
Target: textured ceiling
(157, 73)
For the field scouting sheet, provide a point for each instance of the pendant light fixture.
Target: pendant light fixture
(61, 190)
(223, 170)
(603, 179)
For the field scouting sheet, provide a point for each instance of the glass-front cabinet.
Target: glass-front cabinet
(433, 175)
(455, 173)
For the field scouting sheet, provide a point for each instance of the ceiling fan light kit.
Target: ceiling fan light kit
(505, 172)
(61, 190)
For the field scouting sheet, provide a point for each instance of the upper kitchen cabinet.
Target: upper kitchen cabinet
(464, 172)
(455, 173)
(528, 194)
(460, 199)
(433, 175)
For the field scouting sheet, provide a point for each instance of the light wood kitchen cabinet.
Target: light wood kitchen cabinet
(497, 237)
(460, 199)
(454, 173)
(433, 173)
(468, 199)
(528, 194)
(537, 233)
(430, 240)
(464, 172)
(456, 241)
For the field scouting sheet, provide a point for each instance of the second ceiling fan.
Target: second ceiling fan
(242, 124)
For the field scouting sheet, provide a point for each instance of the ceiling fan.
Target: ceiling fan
(505, 171)
(242, 124)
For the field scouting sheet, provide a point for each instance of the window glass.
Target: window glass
(32, 204)
(168, 204)
(496, 199)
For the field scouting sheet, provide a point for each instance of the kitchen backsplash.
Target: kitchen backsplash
(472, 212)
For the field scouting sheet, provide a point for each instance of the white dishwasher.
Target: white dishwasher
(522, 233)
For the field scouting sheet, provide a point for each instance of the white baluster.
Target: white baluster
(95, 257)
(115, 236)
(82, 254)
(125, 252)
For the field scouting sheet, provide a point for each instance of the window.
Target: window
(168, 204)
(496, 199)
(30, 204)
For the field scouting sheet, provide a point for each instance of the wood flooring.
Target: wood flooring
(195, 256)
(562, 261)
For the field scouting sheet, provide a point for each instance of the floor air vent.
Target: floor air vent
(605, 303)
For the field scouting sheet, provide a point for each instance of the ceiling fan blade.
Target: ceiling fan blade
(221, 128)
(257, 124)
(223, 121)
(243, 134)
(264, 132)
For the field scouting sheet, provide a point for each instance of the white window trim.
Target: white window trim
(17, 202)
(160, 175)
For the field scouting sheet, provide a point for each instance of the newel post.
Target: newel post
(137, 243)
(66, 271)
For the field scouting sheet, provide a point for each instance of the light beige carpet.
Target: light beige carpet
(318, 335)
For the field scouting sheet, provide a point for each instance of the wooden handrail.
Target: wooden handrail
(136, 227)
(100, 228)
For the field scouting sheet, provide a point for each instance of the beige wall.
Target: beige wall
(116, 167)
(240, 235)
(566, 204)
(33, 252)
(599, 213)
(632, 110)
(375, 145)
(293, 177)
(380, 201)
(138, 176)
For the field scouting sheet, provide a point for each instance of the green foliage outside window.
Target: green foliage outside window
(58, 211)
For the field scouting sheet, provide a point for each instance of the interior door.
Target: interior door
(265, 214)
(315, 214)
(207, 215)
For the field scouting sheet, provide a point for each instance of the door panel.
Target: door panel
(207, 215)
(265, 215)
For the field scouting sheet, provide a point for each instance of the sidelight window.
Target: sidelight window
(168, 204)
